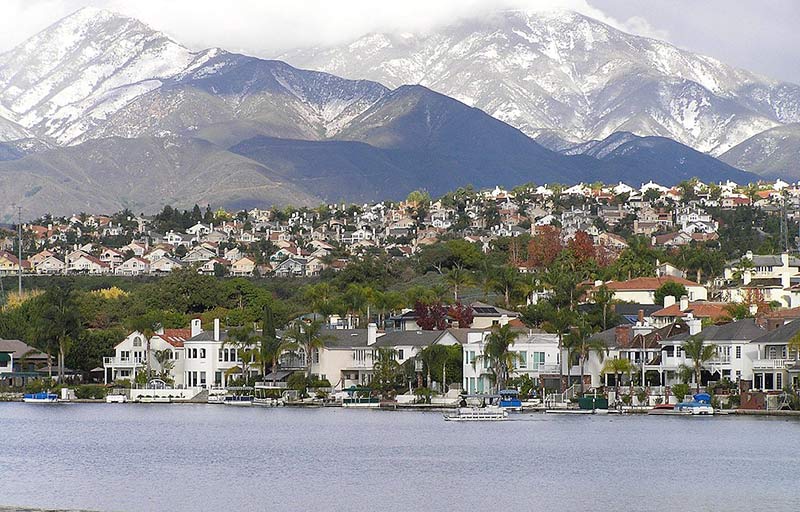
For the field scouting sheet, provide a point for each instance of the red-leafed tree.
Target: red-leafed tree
(431, 316)
(462, 314)
(582, 247)
(544, 246)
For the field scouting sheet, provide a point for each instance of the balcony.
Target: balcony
(122, 362)
(772, 364)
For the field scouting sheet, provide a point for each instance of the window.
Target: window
(137, 341)
(738, 351)
(315, 356)
(219, 355)
(202, 378)
(202, 353)
(538, 359)
(124, 355)
(778, 381)
(400, 354)
(523, 359)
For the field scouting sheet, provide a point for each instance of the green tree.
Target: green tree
(165, 362)
(309, 337)
(457, 278)
(579, 342)
(61, 321)
(498, 355)
(617, 367)
(386, 371)
(244, 341)
(673, 288)
(146, 324)
(700, 354)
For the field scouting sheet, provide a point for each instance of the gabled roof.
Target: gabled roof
(648, 283)
(700, 309)
(176, 337)
(741, 330)
(781, 335)
(409, 338)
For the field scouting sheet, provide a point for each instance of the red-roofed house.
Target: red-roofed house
(642, 290)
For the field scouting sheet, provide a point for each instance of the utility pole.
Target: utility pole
(19, 248)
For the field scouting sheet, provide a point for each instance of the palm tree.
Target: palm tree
(498, 354)
(560, 322)
(146, 324)
(505, 280)
(458, 278)
(580, 342)
(308, 336)
(243, 339)
(604, 297)
(700, 354)
(386, 370)
(61, 321)
(617, 367)
(164, 359)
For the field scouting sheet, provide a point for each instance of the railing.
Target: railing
(546, 368)
(772, 364)
(129, 361)
(560, 399)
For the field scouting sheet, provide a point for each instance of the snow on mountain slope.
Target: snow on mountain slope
(72, 75)
(9, 130)
(775, 152)
(571, 75)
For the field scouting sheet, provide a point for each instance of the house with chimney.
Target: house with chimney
(642, 290)
(763, 278)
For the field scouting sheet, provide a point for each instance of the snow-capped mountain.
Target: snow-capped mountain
(100, 112)
(773, 153)
(72, 75)
(566, 75)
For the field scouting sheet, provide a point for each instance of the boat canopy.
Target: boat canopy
(704, 398)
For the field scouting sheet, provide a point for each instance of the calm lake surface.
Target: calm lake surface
(198, 457)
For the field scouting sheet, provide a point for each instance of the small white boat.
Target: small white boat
(489, 413)
(216, 396)
(116, 398)
(239, 397)
(43, 397)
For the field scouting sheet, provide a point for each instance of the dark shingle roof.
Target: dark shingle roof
(781, 335)
(741, 330)
(344, 338)
(409, 338)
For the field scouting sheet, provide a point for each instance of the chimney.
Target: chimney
(622, 335)
(684, 303)
(216, 329)
(694, 324)
(785, 259)
(197, 327)
(640, 317)
(503, 319)
(669, 300)
(753, 309)
(786, 280)
(372, 333)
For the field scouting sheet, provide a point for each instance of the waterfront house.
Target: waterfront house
(774, 360)
(19, 363)
(538, 358)
(130, 355)
(642, 290)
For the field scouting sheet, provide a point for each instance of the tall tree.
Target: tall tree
(617, 367)
(498, 355)
(457, 278)
(700, 354)
(61, 320)
(309, 337)
(579, 342)
(245, 341)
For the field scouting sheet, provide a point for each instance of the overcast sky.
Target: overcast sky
(758, 35)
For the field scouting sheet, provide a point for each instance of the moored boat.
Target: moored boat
(216, 395)
(509, 400)
(488, 413)
(241, 397)
(42, 397)
(700, 405)
(116, 398)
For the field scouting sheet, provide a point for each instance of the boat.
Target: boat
(509, 400)
(264, 397)
(358, 397)
(576, 411)
(488, 413)
(216, 395)
(240, 397)
(42, 397)
(699, 405)
(364, 402)
(116, 398)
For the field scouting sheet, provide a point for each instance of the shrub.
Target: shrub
(680, 391)
(91, 392)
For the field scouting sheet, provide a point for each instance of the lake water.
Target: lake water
(198, 458)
